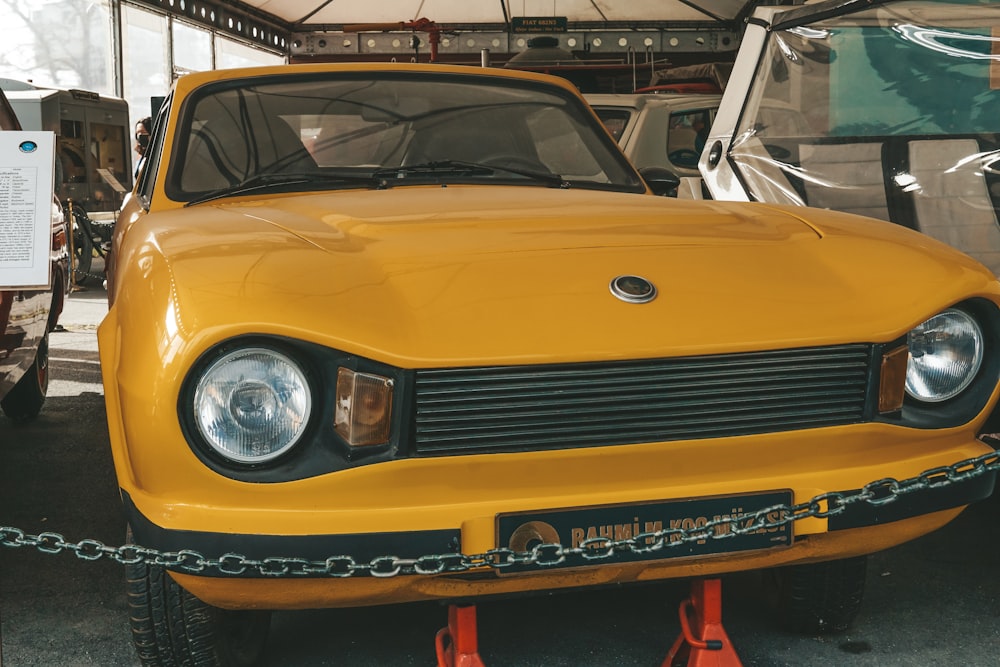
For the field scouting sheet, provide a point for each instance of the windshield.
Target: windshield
(893, 113)
(339, 129)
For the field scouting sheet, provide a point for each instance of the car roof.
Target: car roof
(188, 82)
(640, 100)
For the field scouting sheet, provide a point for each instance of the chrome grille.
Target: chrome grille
(521, 408)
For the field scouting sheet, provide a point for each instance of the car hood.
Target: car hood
(434, 276)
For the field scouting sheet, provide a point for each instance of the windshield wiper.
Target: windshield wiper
(463, 168)
(268, 180)
(380, 178)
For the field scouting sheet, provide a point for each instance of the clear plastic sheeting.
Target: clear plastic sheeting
(892, 113)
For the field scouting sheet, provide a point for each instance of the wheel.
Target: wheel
(58, 302)
(83, 253)
(818, 598)
(171, 627)
(24, 401)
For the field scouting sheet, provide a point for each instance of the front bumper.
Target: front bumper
(359, 591)
(455, 520)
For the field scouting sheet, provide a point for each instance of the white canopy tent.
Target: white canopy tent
(303, 15)
(287, 26)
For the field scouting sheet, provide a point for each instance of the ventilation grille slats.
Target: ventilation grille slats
(521, 408)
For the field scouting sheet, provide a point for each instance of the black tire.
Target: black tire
(171, 627)
(25, 400)
(83, 252)
(818, 598)
(59, 288)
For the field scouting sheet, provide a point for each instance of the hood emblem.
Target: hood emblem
(633, 289)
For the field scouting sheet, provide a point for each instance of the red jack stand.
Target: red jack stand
(463, 649)
(706, 644)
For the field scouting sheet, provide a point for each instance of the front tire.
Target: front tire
(25, 400)
(171, 627)
(818, 598)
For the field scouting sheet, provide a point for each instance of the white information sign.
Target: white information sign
(26, 175)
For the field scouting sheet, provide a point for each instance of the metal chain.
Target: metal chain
(877, 493)
(97, 223)
(87, 274)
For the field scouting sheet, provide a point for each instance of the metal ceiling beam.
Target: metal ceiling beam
(231, 18)
(622, 43)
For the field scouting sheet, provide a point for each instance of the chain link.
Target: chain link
(877, 493)
(87, 274)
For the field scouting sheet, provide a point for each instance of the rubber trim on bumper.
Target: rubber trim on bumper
(956, 494)
(362, 547)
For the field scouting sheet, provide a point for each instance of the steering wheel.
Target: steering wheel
(684, 157)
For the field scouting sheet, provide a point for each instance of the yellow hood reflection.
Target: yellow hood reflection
(439, 276)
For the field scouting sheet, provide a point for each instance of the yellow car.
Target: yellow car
(368, 322)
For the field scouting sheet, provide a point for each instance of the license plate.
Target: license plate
(521, 531)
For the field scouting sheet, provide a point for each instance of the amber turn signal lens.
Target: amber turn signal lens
(364, 408)
(892, 383)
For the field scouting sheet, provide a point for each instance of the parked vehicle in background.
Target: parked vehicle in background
(701, 78)
(658, 130)
(27, 316)
(368, 322)
(899, 116)
(93, 158)
(666, 123)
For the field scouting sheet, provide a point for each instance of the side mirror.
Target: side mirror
(661, 180)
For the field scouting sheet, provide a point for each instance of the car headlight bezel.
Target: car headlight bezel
(251, 404)
(966, 404)
(320, 449)
(946, 352)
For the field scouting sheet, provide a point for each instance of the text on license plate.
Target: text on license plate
(522, 531)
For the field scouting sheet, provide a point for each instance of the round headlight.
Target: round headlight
(946, 352)
(252, 405)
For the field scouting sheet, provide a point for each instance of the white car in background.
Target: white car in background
(670, 130)
(659, 130)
